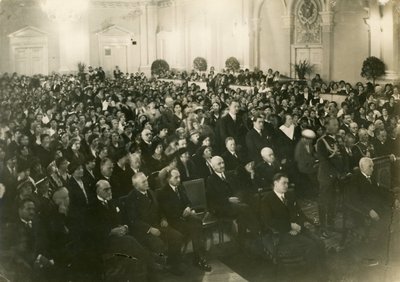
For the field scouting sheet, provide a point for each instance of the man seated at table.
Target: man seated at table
(281, 213)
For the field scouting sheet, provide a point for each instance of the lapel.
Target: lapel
(280, 203)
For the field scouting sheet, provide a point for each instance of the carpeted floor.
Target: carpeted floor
(231, 263)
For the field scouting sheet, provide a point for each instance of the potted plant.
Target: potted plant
(200, 64)
(302, 68)
(372, 68)
(232, 64)
(159, 67)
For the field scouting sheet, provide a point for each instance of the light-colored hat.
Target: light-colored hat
(308, 133)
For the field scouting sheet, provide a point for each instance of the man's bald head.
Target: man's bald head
(103, 190)
(268, 155)
(139, 181)
(366, 166)
(218, 164)
(147, 135)
(61, 197)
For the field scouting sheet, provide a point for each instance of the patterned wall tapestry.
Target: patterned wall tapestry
(308, 22)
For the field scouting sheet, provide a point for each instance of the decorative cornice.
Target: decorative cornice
(164, 3)
(123, 3)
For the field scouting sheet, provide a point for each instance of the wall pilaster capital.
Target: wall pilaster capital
(327, 21)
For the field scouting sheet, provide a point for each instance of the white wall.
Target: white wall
(350, 41)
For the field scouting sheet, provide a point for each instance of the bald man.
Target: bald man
(265, 171)
(366, 195)
(222, 199)
(373, 203)
(107, 232)
(145, 144)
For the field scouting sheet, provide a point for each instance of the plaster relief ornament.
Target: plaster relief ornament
(308, 22)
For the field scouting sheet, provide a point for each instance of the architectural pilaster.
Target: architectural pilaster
(327, 43)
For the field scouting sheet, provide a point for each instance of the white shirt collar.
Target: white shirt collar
(259, 131)
(173, 187)
(143, 192)
(101, 199)
(280, 195)
(366, 176)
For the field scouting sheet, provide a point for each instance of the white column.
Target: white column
(73, 44)
(390, 50)
(288, 26)
(327, 28)
(179, 34)
(383, 25)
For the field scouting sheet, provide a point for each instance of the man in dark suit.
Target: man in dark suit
(381, 144)
(168, 115)
(231, 158)
(108, 235)
(19, 243)
(145, 145)
(346, 123)
(148, 226)
(89, 178)
(121, 177)
(60, 239)
(175, 206)
(223, 201)
(257, 138)
(348, 152)
(232, 125)
(372, 203)
(43, 151)
(281, 213)
(265, 171)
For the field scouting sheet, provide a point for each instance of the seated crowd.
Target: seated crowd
(92, 168)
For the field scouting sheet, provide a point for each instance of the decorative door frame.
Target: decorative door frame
(29, 37)
(115, 36)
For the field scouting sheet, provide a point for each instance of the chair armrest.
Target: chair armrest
(354, 209)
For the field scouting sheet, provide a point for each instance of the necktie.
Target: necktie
(369, 180)
(28, 224)
(177, 192)
(284, 200)
(104, 203)
(223, 177)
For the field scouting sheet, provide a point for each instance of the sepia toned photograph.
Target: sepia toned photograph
(199, 140)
